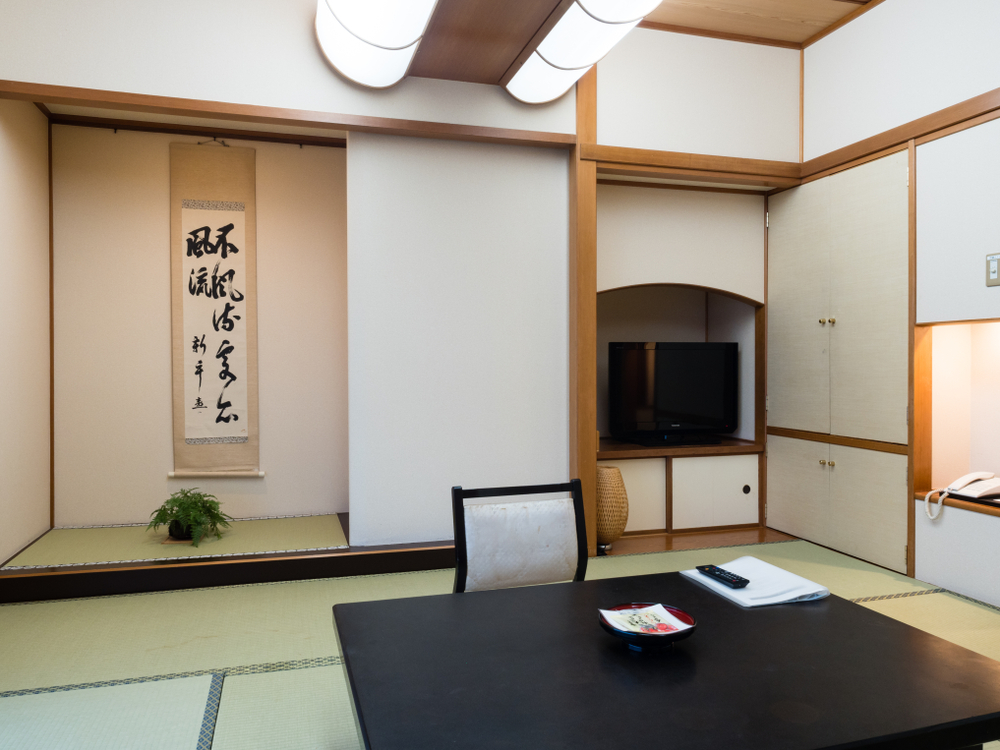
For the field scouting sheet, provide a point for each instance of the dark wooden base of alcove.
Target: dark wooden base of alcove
(71, 582)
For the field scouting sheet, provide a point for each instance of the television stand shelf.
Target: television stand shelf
(611, 449)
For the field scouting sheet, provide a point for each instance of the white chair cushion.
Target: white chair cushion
(520, 544)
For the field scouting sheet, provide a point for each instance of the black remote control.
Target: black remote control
(731, 580)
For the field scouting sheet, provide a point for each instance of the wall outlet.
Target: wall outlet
(993, 270)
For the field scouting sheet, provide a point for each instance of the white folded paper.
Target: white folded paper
(655, 620)
(769, 584)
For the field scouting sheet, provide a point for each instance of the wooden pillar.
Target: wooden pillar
(583, 305)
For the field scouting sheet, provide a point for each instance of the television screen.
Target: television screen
(662, 392)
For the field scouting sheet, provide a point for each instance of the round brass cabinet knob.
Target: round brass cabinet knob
(832, 464)
(822, 462)
(832, 321)
(822, 321)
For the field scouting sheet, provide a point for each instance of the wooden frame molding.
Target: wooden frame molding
(164, 105)
(675, 160)
(849, 442)
(583, 442)
(670, 186)
(196, 130)
(842, 22)
(691, 31)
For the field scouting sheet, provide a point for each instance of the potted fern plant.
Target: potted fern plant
(190, 514)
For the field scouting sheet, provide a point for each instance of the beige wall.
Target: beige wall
(24, 326)
(112, 330)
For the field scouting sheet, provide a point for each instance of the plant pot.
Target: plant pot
(178, 531)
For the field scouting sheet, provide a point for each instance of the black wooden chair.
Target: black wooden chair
(516, 542)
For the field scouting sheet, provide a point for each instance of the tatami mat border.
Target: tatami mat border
(207, 732)
(905, 594)
(248, 518)
(182, 557)
(265, 668)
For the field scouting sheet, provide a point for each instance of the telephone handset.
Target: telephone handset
(978, 484)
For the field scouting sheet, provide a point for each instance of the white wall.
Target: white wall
(458, 327)
(959, 552)
(256, 52)
(112, 330)
(656, 236)
(958, 225)
(675, 92)
(900, 61)
(24, 326)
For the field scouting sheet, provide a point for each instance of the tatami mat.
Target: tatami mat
(129, 543)
(301, 710)
(954, 618)
(162, 715)
(273, 650)
(844, 576)
(69, 642)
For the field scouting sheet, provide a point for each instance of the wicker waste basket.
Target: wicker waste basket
(612, 506)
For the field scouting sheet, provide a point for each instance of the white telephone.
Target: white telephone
(978, 484)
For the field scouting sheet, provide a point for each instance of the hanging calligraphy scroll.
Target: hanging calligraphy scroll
(214, 308)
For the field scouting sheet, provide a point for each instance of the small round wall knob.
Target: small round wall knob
(832, 464)
(822, 321)
(832, 321)
(822, 462)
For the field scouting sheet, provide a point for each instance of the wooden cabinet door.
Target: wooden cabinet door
(798, 296)
(798, 487)
(869, 299)
(708, 491)
(866, 516)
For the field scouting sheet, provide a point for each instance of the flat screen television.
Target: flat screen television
(663, 393)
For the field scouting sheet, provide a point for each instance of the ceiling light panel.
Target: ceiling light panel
(364, 63)
(538, 82)
(392, 24)
(619, 11)
(579, 40)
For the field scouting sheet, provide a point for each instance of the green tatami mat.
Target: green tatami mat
(127, 543)
(163, 715)
(970, 624)
(295, 710)
(844, 576)
(111, 638)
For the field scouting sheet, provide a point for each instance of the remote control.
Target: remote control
(731, 580)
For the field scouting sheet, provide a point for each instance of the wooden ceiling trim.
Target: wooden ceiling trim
(696, 175)
(690, 30)
(166, 105)
(476, 40)
(673, 159)
(206, 132)
(842, 22)
(783, 20)
(668, 186)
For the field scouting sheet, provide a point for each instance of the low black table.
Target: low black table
(531, 668)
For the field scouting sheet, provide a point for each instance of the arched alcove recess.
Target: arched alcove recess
(685, 312)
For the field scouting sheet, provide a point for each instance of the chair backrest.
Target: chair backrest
(518, 543)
